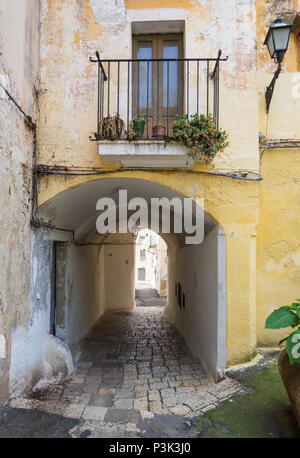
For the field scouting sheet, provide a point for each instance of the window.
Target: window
(157, 86)
(141, 274)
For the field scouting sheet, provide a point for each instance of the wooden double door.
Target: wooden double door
(157, 87)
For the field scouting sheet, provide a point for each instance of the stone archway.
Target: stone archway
(197, 285)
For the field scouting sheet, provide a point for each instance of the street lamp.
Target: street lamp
(277, 41)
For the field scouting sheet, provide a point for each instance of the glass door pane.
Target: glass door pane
(145, 82)
(170, 75)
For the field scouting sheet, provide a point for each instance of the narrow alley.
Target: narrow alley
(130, 369)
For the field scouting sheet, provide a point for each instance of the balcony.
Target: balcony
(150, 93)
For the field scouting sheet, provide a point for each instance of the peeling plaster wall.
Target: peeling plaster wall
(28, 363)
(27, 343)
(73, 30)
(77, 309)
(283, 118)
(19, 63)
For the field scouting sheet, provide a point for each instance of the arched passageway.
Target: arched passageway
(96, 274)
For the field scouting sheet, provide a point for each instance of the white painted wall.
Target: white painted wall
(119, 271)
(28, 345)
(154, 263)
(84, 298)
(26, 365)
(143, 242)
(162, 268)
(201, 271)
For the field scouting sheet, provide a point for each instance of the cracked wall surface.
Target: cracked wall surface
(73, 30)
(19, 64)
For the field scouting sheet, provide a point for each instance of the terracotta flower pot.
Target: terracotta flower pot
(291, 379)
(159, 132)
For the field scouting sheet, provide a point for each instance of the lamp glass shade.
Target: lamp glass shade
(281, 38)
(277, 39)
(270, 43)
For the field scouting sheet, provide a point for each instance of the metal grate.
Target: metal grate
(144, 88)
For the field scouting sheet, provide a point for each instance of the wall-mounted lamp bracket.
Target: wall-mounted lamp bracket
(270, 88)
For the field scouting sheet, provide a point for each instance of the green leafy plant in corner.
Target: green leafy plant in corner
(285, 317)
(200, 135)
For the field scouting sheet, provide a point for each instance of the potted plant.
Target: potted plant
(289, 358)
(159, 132)
(200, 134)
(111, 128)
(136, 128)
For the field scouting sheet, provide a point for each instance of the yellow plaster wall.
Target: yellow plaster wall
(67, 106)
(234, 205)
(278, 241)
(72, 31)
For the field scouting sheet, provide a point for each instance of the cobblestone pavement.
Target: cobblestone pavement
(146, 297)
(132, 367)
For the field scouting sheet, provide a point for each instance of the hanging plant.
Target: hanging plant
(200, 135)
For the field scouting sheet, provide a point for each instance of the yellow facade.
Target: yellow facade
(258, 210)
(278, 263)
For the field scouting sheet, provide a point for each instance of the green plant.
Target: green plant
(285, 317)
(200, 135)
(136, 128)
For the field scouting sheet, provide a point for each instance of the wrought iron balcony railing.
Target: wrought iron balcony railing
(156, 90)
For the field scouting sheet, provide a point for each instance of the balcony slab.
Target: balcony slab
(144, 153)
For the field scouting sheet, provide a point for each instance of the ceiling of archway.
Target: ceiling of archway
(75, 209)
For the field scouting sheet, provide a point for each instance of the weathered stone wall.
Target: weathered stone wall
(19, 64)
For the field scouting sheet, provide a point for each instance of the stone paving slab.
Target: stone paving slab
(133, 367)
